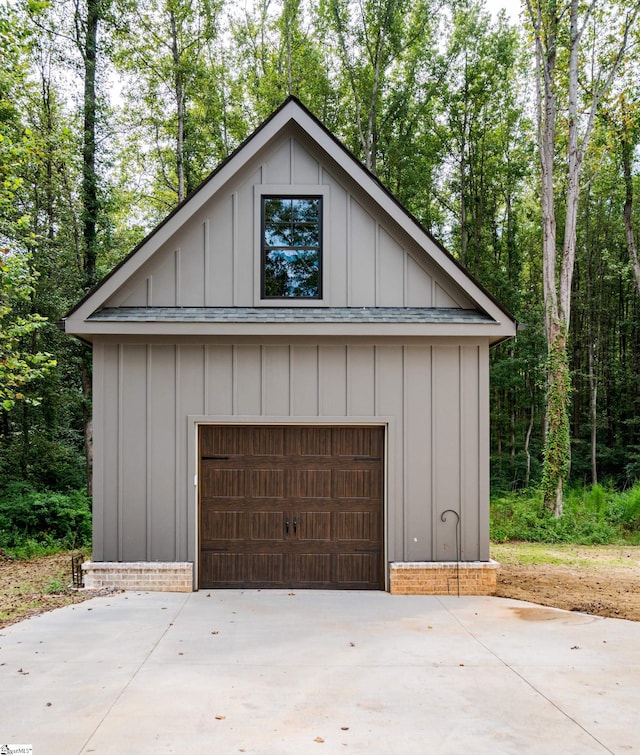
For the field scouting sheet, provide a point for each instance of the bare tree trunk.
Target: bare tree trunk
(527, 440)
(180, 106)
(628, 207)
(546, 19)
(89, 178)
(593, 408)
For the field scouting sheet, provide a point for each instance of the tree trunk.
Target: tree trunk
(628, 207)
(180, 107)
(89, 178)
(593, 408)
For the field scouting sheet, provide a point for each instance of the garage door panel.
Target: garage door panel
(326, 482)
(356, 483)
(357, 568)
(266, 567)
(267, 525)
(225, 525)
(227, 483)
(308, 441)
(357, 441)
(357, 525)
(266, 441)
(314, 526)
(222, 567)
(265, 483)
(309, 568)
(311, 483)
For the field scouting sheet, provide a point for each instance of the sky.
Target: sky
(511, 6)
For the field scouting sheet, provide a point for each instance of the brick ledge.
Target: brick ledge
(441, 577)
(161, 576)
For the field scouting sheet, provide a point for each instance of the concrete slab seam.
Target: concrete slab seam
(524, 679)
(134, 675)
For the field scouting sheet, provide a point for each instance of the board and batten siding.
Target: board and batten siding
(431, 394)
(213, 260)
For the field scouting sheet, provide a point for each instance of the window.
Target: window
(291, 247)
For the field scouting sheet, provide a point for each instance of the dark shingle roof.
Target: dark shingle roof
(292, 314)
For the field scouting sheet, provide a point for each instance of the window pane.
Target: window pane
(291, 247)
(291, 274)
(277, 234)
(304, 210)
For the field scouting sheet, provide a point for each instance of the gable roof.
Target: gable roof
(78, 320)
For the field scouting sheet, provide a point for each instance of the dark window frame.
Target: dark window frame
(265, 248)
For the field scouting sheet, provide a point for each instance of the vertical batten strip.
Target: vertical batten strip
(234, 246)
(434, 434)
(290, 355)
(178, 273)
(150, 291)
(292, 159)
(405, 278)
(462, 505)
(405, 462)
(149, 452)
(376, 265)
(483, 451)
(234, 379)
(206, 240)
(348, 249)
(263, 381)
(205, 381)
(177, 451)
(120, 448)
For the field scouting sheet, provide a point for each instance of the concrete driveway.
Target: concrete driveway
(318, 672)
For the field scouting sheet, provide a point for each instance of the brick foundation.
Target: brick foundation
(139, 575)
(441, 578)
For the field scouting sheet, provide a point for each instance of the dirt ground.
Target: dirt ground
(601, 580)
(31, 587)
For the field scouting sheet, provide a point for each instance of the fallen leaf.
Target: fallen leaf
(461, 664)
(49, 705)
(576, 647)
(344, 728)
(353, 644)
(216, 632)
(180, 653)
(319, 739)
(220, 718)
(292, 594)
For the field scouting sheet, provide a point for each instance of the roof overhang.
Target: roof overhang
(374, 322)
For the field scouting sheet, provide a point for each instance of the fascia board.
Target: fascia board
(493, 331)
(162, 233)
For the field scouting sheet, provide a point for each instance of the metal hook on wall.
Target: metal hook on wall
(443, 518)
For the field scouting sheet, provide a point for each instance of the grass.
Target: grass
(594, 515)
(564, 554)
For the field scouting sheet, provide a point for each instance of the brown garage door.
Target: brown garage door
(291, 506)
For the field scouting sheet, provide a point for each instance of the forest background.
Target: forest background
(113, 111)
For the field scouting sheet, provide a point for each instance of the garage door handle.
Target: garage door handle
(286, 526)
(216, 458)
(295, 526)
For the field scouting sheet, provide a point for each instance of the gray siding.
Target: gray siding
(433, 395)
(213, 259)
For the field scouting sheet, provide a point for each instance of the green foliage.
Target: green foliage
(591, 515)
(557, 442)
(31, 519)
(19, 365)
